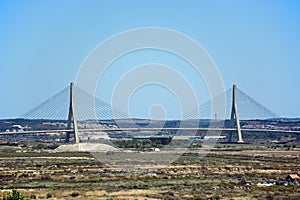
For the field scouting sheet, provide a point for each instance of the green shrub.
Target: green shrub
(16, 195)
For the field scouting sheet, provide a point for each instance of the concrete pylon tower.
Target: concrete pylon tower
(72, 116)
(234, 119)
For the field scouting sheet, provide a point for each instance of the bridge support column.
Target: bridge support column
(234, 119)
(229, 137)
(72, 116)
(298, 137)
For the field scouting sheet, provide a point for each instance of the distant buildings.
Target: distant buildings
(293, 178)
(16, 128)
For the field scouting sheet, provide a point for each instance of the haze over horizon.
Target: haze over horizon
(254, 44)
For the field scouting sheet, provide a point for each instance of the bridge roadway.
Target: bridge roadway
(63, 131)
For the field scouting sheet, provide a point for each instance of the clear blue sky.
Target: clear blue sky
(255, 44)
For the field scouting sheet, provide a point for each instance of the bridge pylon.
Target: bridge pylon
(234, 119)
(72, 116)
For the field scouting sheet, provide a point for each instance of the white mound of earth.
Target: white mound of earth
(86, 147)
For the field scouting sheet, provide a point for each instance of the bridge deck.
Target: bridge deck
(63, 131)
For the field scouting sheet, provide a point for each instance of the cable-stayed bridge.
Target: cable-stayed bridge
(82, 112)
